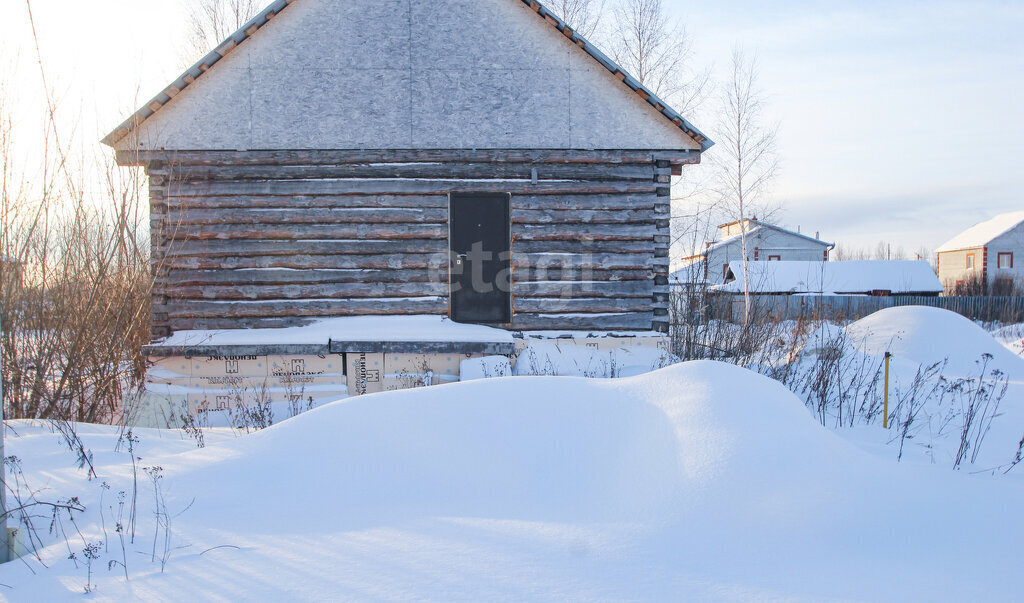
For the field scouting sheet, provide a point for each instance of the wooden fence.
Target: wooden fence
(852, 307)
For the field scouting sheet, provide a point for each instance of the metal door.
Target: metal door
(480, 249)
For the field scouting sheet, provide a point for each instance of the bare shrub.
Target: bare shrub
(979, 404)
(75, 279)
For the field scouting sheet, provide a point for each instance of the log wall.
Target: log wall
(268, 239)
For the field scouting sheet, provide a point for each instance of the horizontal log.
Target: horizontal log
(581, 262)
(403, 187)
(583, 246)
(433, 171)
(299, 292)
(330, 157)
(637, 321)
(240, 249)
(207, 217)
(587, 216)
(592, 232)
(522, 275)
(635, 201)
(308, 231)
(603, 289)
(299, 277)
(440, 201)
(558, 305)
(310, 262)
(306, 308)
(555, 278)
(309, 201)
(219, 324)
(212, 217)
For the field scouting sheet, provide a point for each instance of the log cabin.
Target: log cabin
(476, 159)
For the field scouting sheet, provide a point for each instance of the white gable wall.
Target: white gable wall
(762, 244)
(1011, 241)
(334, 74)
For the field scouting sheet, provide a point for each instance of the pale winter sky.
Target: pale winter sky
(900, 120)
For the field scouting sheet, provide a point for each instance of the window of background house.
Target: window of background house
(970, 261)
(1005, 260)
(774, 258)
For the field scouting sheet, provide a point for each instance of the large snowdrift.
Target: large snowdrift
(700, 481)
(946, 377)
(923, 335)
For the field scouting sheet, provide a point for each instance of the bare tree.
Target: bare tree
(584, 16)
(746, 162)
(212, 21)
(658, 51)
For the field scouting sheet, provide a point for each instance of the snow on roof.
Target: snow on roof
(981, 234)
(863, 276)
(353, 328)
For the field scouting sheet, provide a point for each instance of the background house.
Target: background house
(986, 258)
(825, 290)
(765, 242)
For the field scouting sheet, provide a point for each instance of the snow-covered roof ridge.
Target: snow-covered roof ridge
(860, 276)
(264, 17)
(982, 233)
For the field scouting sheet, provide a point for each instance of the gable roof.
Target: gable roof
(753, 231)
(852, 277)
(983, 233)
(249, 29)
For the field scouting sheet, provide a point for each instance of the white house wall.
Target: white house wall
(1011, 241)
(953, 266)
(760, 245)
(404, 74)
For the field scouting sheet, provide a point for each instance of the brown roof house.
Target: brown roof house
(461, 167)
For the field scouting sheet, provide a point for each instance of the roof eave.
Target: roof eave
(271, 11)
(195, 71)
(633, 83)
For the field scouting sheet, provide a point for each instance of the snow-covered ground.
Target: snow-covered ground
(700, 481)
(942, 364)
(1011, 336)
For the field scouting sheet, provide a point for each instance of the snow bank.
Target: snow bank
(701, 481)
(550, 358)
(484, 368)
(923, 335)
(941, 362)
(352, 328)
(1012, 338)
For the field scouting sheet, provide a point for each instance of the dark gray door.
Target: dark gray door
(480, 241)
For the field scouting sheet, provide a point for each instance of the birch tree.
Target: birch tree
(656, 49)
(746, 161)
(210, 22)
(584, 16)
